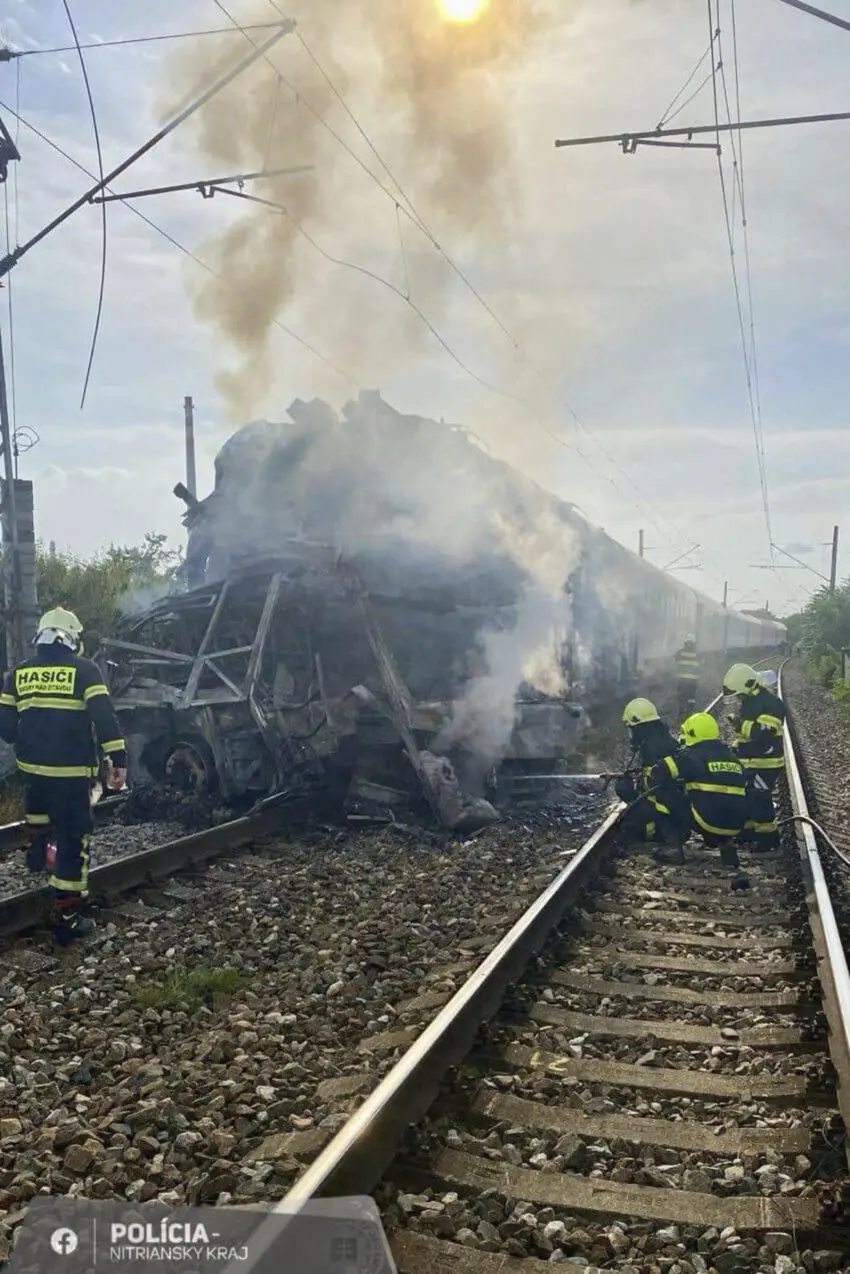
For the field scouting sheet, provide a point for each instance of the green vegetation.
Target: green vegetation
(102, 589)
(189, 989)
(822, 632)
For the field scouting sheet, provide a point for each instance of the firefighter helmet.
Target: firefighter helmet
(59, 625)
(699, 727)
(741, 679)
(639, 712)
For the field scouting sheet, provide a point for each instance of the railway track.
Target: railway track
(25, 909)
(648, 1073)
(13, 836)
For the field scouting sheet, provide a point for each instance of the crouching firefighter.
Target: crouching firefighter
(715, 785)
(760, 748)
(52, 707)
(656, 809)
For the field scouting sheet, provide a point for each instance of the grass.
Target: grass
(189, 988)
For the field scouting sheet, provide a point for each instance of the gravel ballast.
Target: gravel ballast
(525, 1060)
(108, 842)
(306, 952)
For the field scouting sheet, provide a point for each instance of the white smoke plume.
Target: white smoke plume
(485, 716)
(435, 508)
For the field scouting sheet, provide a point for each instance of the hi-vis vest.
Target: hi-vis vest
(687, 665)
(51, 709)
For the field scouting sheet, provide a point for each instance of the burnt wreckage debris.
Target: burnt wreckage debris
(345, 581)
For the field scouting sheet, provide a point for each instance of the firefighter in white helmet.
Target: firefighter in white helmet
(760, 748)
(52, 707)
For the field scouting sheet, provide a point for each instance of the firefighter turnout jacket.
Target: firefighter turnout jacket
(687, 664)
(51, 708)
(715, 785)
(760, 745)
(654, 744)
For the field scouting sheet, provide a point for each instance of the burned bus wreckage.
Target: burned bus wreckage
(378, 611)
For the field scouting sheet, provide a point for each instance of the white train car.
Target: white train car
(639, 614)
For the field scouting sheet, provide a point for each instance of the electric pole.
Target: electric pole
(15, 637)
(640, 543)
(833, 569)
(725, 616)
(189, 417)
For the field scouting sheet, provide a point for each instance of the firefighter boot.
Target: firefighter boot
(729, 858)
(67, 922)
(676, 856)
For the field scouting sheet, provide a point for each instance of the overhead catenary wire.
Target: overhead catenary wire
(414, 217)
(418, 220)
(690, 98)
(165, 131)
(103, 234)
(411, 212)
(667, 115)
(273, 205)
(404, 203)
(714, 33)
(8, 54)
(181, 247)
(738, 173)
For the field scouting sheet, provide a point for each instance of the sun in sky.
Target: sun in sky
(462, 10)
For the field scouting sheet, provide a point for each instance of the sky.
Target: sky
(593, 340)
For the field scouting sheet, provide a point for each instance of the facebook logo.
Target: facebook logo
(64, 1242)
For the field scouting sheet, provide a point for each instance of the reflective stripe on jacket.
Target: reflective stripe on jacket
(51, 708)
(759, 729)
(687, 665)
(715, 785)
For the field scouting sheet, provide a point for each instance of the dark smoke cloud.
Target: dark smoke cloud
(436, 98)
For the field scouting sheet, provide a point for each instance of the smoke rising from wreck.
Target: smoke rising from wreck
(425, 500)
(435, 94)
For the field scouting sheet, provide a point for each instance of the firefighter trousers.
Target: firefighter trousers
(686, 691)
(60, 810)
(761, 827)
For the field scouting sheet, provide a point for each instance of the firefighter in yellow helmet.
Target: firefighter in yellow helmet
(52, 707)
(648, 793)
(760, 748)
(715, 785)
(688, 666)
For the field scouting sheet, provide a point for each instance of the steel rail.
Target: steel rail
(357, 1156)
(27, 909)
(15, 835)
(832, 967)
